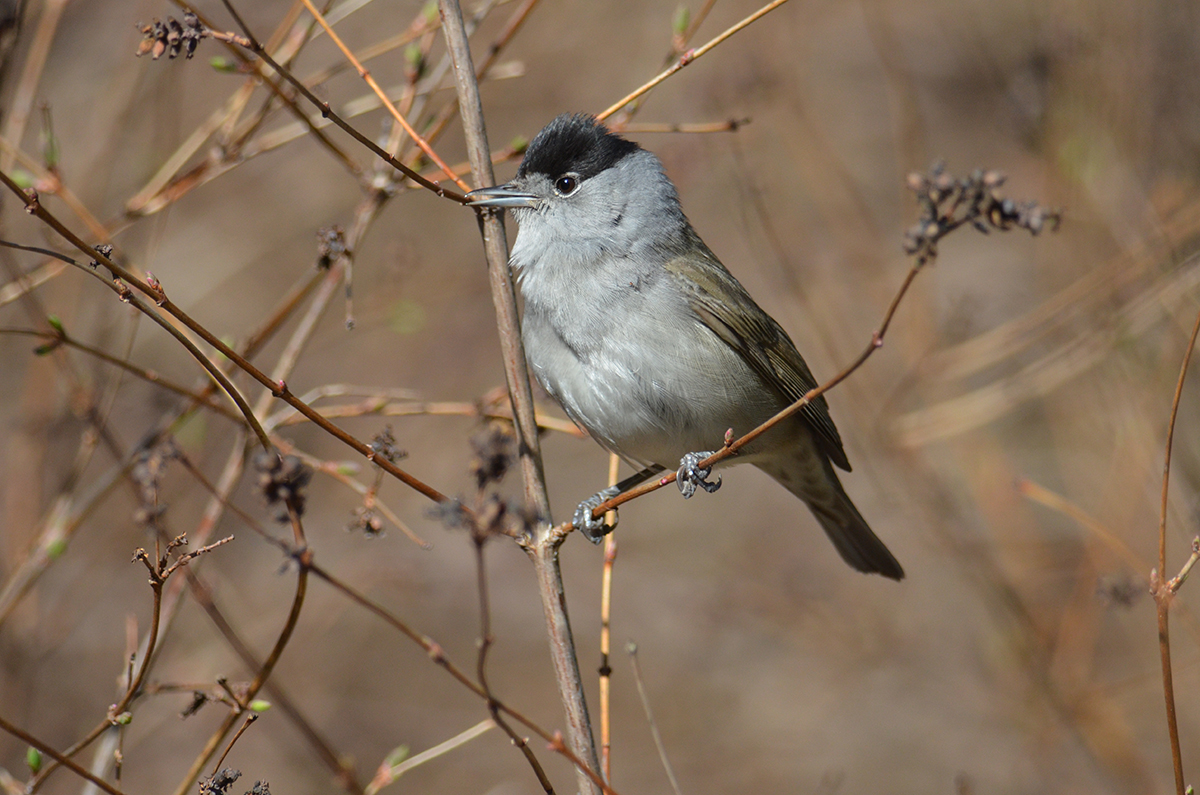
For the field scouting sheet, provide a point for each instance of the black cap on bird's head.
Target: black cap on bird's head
(574, 144)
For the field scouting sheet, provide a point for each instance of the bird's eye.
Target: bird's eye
(566, 185)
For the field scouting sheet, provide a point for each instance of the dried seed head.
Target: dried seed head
(331, 244)
(172, 37)
(384, 445)
(282, 479)
(220, 783)
(493, 446)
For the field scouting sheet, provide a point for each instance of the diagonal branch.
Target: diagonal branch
(387, 103)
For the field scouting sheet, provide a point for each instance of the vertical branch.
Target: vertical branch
(495, 243)
(543, 549)
(1163, 589)
(610, 557)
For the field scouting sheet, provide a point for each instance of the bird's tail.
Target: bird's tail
(822, 492)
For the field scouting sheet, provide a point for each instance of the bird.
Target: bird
(648, 342)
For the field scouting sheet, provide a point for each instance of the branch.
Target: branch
(1164, 590)
(124, 279)
(328, 113)
(543, 547)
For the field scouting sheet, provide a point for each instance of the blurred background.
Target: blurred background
(1007, 441)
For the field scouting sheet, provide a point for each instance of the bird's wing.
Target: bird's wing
(724, 306)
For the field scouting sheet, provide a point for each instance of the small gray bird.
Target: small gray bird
(636, 328)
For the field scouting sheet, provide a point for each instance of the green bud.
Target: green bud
(33, 758)
(22, 177)
(398, 755)
(681, 20)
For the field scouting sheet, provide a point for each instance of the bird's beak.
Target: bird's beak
(506, 195)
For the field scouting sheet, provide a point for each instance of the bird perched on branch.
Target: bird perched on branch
(636, 328)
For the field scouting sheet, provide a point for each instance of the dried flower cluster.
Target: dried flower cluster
(492, 515)
(171, 37)
(220, 783)
(947, 203)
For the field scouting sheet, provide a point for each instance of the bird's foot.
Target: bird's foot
(689, 475)
(594, 530)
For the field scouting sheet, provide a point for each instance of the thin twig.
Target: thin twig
(253, 716)
(58, 188)
(1176, 582)
(690, 56)
(125, 294)
(387, 774)
(288, 101)
(149, 376)
(729, 125)
(658, 742)
(380, 405)
(333, 469)
(159, 574)
(65, 761)
(228, 480)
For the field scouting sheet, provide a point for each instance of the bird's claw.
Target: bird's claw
(689, 475)
(594, 530)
